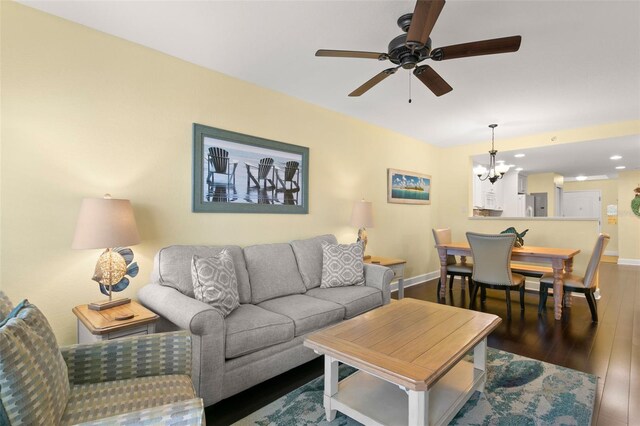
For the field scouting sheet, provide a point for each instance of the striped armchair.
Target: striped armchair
(132, 381)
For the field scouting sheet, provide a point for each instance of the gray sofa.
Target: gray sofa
(280, 303)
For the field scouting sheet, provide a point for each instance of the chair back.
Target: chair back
(219, 158)
(290, 169)
(591, 274)
(491, 257)
(265, 167)
(443, 236)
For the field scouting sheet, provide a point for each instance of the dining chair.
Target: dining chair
(586, 284)
(491, 258)
(454, 268)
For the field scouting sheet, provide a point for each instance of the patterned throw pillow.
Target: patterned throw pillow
(342, 265)
(34, 384)
(5, 305)
(215, 282)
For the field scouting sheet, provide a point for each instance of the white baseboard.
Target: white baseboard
(611, 253)
(418, 279)
(531, 285)
(632, 262)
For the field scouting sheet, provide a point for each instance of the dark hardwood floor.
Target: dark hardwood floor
(609, 349)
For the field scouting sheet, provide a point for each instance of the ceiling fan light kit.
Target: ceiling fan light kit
(409, 49)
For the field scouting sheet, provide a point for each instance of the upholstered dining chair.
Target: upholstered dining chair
(491, 258)
(454, 268)
(586, 284)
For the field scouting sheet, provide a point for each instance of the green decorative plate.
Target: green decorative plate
(635, 205)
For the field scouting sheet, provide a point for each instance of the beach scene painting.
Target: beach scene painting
(239, 173)
(406, 187)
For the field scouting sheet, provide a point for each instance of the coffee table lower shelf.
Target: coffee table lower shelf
(373, 401)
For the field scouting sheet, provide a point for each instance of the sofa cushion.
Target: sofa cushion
(355, 299)
(273, 272)
(342, 265)
(308, 313)
(250, 328)
(309, 257)
(172, 267)
(93, 401)
(34, 385)
(214, 282)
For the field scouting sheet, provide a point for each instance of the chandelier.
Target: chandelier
(495, 172)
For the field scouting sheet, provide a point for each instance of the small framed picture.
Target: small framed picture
(406, 187)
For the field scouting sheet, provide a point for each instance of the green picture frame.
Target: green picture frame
(238, 173)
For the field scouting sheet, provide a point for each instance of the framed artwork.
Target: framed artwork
(405, 187)
(236, 173)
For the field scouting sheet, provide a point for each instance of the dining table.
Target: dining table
(560, 259)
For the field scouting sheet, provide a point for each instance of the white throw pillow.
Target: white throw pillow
(215, 282)
(342, 265)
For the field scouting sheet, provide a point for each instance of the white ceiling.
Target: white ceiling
(591, 158)
(579, 63)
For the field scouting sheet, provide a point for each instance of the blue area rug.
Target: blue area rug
(519, 391)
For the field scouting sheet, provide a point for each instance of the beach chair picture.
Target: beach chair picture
(263, 171)
(219, 163)
(291, 174)
(276, 173)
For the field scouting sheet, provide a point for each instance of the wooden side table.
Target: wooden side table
(396, 265)
(94, 326)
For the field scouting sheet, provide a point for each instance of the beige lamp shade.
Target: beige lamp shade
(105, 223)
(362, 214)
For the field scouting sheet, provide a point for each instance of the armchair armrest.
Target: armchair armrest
(129, 357)
(379, 277)
(184, 311)
(189, 413)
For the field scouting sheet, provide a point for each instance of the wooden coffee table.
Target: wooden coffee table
(410, 356)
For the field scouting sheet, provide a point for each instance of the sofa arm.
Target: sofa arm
(189, 413)
(379, 277)
(184, 311)
(129, 357)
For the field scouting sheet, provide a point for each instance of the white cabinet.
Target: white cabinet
(522, 184)
(491, 194)
(510, 194)
(487, 195)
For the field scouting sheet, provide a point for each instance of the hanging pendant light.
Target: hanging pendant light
(496, 171)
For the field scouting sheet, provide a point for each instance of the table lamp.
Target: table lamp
(109, 224)
(362, 217)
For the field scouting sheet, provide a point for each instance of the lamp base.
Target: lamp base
(100, 306)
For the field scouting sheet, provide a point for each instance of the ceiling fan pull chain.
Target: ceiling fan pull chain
(409, 87)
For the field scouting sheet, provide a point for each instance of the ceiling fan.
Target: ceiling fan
(409, 49)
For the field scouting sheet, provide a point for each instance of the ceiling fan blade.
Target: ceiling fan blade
(477, 48)
(432, 80)
(372, 82)
(424, 18)
(351, 54)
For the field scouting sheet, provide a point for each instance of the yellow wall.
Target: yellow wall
(546, 183)
(628, 222)
(609, 193)
(85, 113)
